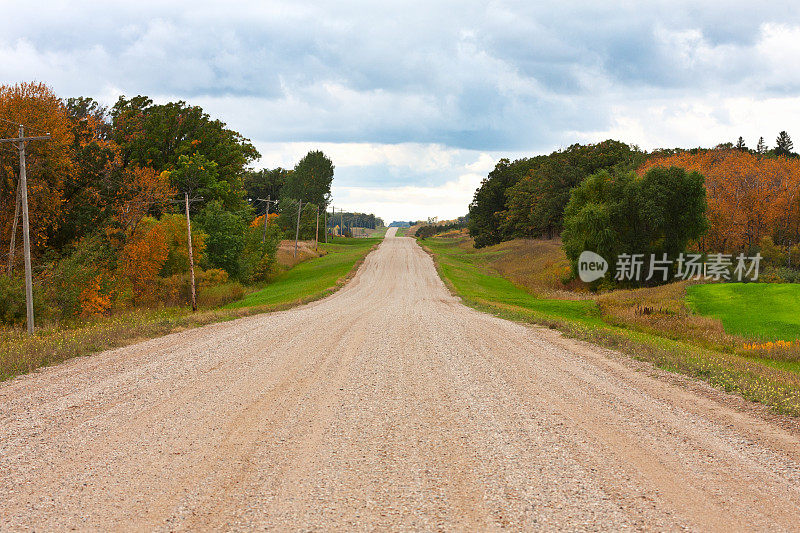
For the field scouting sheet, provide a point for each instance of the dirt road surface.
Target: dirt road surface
(386, 406)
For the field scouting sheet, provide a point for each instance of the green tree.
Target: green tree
(611, 214)
(740, 145)
(487, 210)
(265, 183)
(225, 237)
(311, 180)
(672, 209)
(199, 176)
(157, 135)
(761, 147)
(783, 144)
(602, 216)
(536, 203)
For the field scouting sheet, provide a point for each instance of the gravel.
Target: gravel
(388, 405)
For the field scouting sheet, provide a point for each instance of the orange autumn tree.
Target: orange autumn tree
(48, 162)
(142, 190)
(750, 196)
(142, 258)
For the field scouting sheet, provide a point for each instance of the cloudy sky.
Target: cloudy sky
(415, 102)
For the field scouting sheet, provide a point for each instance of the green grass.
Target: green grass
(766, 311)
(465, 270)
(313, 278)
(467, 273)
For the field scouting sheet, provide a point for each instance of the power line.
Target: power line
(17, 124)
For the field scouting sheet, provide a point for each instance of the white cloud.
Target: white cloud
(446, 201)
(699, 121)
(422, 98)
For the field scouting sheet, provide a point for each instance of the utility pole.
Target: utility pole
(341, 222)
(266, 219)
(297, 232)
(326, 225)
(26, 236)
(191, 256)
(316, 235)
(186, 201)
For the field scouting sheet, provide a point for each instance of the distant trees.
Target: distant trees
(430, 230)
(355, 220)
(486, 212)
(740, 144)
(749, 195)
(527, 198)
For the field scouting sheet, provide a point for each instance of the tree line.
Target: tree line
(612, 197)
(107, 198)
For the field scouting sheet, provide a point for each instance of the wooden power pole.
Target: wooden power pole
(316, 235)
(21, 141)
(191, 256)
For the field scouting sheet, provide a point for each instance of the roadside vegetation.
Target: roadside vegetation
(314, 278)
(108, 196)
(531, 220)
(650, 324)
(310, 280)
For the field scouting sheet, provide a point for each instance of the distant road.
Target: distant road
(388, 405)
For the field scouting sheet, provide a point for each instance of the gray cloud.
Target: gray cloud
(497, 76)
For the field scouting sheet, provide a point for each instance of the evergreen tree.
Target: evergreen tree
(761, 148)
(740, 145)
(783, 144)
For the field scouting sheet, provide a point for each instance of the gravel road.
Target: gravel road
(388, 405)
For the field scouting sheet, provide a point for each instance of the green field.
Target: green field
(766, 311)
(469, 274)
(313, 278)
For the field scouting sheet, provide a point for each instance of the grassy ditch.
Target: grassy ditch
(307, 281)
(469, 274)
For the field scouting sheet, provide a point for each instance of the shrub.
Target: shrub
(772, 274)
(220, 295)
(771, 253)
(13, 310)
(176, 289)
(177, 261)
(80, 283)
(211, 278)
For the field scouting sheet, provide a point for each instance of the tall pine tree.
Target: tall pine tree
(783, 144)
